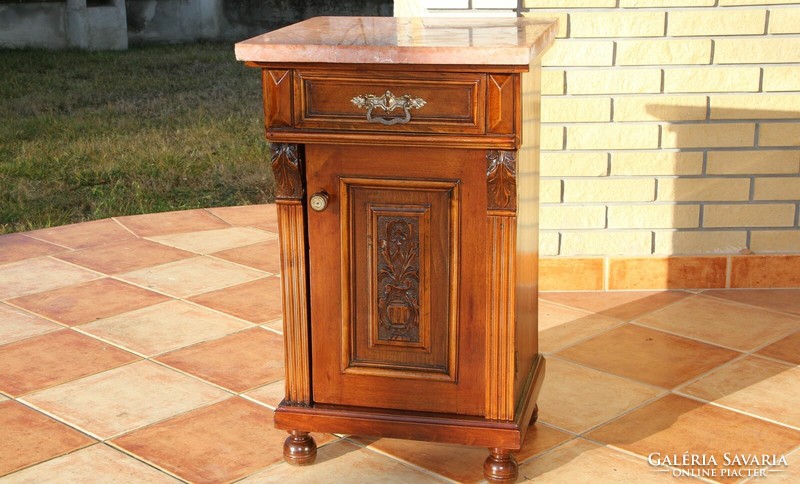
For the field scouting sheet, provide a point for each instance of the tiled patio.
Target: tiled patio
(149, 349)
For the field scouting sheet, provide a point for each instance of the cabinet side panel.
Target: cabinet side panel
(527, 263)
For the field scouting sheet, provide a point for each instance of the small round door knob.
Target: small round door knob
(319, 201)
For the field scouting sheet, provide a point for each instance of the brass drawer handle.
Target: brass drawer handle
(388, 103)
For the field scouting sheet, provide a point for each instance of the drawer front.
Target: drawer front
(452, 103)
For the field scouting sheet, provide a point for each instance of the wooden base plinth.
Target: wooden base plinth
(433, 427)
(500, 436)
(299, 449)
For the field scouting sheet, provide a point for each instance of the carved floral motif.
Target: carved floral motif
(501, 182)
(286, 168)
(398, 279)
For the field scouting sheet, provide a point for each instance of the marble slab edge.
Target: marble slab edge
(311, 42)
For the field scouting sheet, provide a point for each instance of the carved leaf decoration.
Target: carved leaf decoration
(501, 180)
(286, 169)
(398, 279)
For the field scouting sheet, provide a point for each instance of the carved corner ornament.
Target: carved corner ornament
(285, 159)
(501, 180)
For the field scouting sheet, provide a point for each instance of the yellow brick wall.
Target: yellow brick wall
(670, 127)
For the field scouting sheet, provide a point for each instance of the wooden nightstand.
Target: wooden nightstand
(405, 154)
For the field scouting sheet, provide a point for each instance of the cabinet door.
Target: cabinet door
(396, 278)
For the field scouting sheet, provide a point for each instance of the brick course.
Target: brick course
(670, 127)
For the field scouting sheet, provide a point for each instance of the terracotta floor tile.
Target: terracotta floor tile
(674, 425)
(577, 398)
(265, 256)
(345, 462)
(256, 301)
(88, 301)
(624, 305)
(584, 461)
(16, 324)
(98, 463)
(218, 443)
(788, 474)
(756, 386)
(171, 222)
(237, 362)
(786, 349)
(37, 275)
(100, 388)
(164, 327)
(718, 322)
(787, 300)
(208, 241)
(270, 395)
(14, 247)
(276, 326)
(560, 326)
(85, 234)
(464, 463)
(647, 355)
(53, 358)
(124, 399)
(125, 256)
(30, 437)
(250, 215)
(191, 276)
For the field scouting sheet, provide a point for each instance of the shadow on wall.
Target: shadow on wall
(730, 182)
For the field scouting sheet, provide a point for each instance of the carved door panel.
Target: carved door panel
(399, 244)
(387, 298)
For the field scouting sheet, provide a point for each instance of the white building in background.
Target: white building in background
(108, 24)
(113, 24)
(82, 24)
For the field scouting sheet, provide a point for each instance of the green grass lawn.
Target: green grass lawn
(89, 135)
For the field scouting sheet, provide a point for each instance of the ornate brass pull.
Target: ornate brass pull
(388, 103)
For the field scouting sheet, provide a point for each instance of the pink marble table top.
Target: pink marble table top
(390, 40)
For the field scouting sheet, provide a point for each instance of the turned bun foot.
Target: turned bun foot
(535, 415)
(299, 449)
(500, 466)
